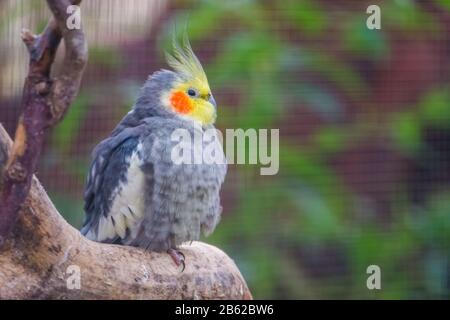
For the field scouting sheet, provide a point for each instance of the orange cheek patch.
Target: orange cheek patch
(181, 102)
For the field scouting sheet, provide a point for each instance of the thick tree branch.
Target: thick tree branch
(35, 261)
(44, 102)
(65, 86)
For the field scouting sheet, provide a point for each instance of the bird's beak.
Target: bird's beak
(212, 101)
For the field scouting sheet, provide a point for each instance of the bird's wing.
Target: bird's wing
(105, 187)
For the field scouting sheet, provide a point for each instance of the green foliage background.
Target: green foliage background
(364, 156)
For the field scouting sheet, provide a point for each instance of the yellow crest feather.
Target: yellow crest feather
(184, 61)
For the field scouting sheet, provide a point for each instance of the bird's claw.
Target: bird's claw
(177, 257)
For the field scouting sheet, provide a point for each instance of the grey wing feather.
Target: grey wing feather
(108, 167)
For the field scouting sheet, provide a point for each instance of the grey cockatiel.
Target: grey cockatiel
(135, 193)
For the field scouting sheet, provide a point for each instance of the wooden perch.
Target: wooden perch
(39, 250)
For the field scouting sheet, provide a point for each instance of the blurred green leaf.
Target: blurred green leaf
(245, 53)
(435, 107)
(256, 204)
(64, 134)
(306, 15)
(70, 208)
(104, 56)
(306, 166)
(407, 15)
(318, 220)
(363, 42)
(437, 268)
(331, 139)
(338, 72)
(407, 132)
(320, 100)
(200, 24)
(443, 3)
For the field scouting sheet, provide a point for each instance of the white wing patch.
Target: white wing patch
(127, 209)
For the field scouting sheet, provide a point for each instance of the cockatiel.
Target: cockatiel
(135, 194)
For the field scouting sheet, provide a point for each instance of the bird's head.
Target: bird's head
(189, 95)
(183, 92)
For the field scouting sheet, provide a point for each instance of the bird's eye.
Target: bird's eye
(192, 92)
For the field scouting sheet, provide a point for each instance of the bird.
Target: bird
(135, 194)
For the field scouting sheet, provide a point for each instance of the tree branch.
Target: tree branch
(44, 103)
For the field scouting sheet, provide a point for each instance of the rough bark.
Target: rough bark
(35, 260)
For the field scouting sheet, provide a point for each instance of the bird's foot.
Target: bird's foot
(177, 257)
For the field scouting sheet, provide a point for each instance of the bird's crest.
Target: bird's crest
(184, 61)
